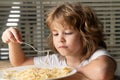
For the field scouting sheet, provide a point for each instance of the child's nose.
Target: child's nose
(61, 38)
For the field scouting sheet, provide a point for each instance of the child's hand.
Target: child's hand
(11, 34)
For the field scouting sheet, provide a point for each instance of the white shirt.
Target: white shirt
(58, 60)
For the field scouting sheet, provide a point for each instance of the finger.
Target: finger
(4, 38)
(16, 34)
(10, 37)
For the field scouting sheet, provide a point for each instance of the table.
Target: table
(4, 64)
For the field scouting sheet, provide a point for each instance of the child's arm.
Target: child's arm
(12, 37)
(102, 68)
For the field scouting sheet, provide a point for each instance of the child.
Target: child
(76, 34)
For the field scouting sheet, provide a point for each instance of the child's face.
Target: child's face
(67, 41)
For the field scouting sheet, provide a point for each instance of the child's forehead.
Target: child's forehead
(60, 25)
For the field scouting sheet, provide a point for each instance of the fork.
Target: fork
(35, 48)
(42, 51)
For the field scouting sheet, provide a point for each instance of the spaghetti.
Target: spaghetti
(36, 73)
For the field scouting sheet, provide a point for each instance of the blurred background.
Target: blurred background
(29, 17)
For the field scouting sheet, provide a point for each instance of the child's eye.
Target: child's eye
(68, 33)
(55, 34)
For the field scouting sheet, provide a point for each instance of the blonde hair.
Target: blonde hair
(83, 19)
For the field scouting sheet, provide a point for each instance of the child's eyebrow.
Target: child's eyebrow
(53, 30)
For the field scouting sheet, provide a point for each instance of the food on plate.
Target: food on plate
(36, 73)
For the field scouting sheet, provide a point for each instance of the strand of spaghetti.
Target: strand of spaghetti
(42, 51)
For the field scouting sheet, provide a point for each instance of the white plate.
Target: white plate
(25, 67)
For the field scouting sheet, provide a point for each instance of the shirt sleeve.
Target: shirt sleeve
(99, 53)
(95, 55)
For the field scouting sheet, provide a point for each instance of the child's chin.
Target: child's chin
(65, 54)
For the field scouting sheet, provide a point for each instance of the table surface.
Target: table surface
(4, 64)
